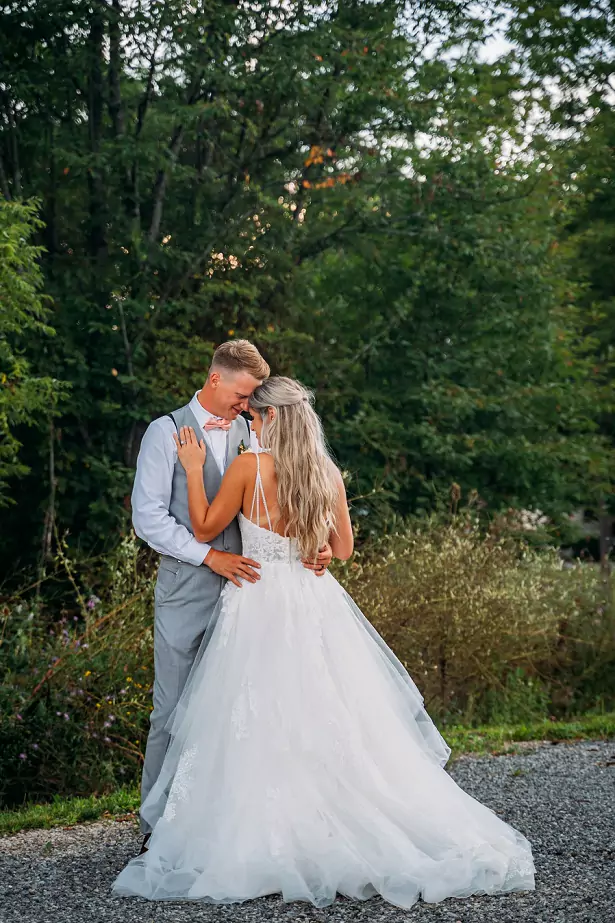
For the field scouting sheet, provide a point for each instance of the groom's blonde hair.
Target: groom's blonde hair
(240, 356)
(306, 474)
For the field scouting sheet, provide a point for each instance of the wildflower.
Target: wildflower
(22, 756)
(92, 602)
(35, 746)
(19, 718)
(65, 716)
(107, 740)
(97, 705)
(88, 673)
(58, 713)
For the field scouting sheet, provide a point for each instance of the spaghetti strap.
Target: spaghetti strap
(256, 498)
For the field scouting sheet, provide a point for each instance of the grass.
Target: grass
(124, 804)
(67, 811)
(505, 738)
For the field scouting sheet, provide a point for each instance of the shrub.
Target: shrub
(75, 695)
(490, 628)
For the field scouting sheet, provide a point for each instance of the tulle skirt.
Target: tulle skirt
(302, 762)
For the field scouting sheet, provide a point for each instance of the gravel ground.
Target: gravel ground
(562, 797)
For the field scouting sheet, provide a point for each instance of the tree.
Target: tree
(25, 397)
(214, 169)
(451, 346)
(163, 166)
(573, 45)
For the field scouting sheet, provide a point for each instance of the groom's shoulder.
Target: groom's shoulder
(170, 418)
(164, 424)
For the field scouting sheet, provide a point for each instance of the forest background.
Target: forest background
(408, 206)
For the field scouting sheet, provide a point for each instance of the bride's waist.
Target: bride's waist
(288, 560)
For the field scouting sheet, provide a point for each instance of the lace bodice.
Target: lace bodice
(264, 546)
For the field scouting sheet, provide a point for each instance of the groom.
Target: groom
(192, 574)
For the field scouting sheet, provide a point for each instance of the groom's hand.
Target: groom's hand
(320, 565)
(233, 567)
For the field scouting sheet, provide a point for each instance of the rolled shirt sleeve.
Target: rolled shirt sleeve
(151, 497)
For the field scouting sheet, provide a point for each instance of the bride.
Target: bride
(302, 760)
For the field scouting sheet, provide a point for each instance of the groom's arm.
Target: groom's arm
(151, 497)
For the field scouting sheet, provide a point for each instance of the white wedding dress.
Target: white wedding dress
(303, 762)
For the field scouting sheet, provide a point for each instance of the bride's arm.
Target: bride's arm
(211, 519)
(341, 538)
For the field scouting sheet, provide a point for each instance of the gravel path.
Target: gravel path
(562, 797)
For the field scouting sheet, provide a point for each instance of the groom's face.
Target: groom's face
(232, 392)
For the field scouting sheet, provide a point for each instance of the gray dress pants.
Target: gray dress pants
(185, 599)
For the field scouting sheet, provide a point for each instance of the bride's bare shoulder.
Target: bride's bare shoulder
(266, 464)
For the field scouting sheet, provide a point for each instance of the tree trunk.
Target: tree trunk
(160, 186)
(13, 147)
(115, 69)
(95, 117)
(4, 184)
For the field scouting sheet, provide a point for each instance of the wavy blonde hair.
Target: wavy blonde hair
(307, 487)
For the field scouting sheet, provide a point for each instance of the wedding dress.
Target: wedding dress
(303, 762)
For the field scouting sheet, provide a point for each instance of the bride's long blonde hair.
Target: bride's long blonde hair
(307, 488)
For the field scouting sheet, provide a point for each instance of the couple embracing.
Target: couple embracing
(289, 750)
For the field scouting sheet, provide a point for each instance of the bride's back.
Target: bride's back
(269, 483)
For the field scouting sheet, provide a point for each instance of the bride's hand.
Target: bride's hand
(190, 451)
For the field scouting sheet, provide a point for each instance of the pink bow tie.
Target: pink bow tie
(217, 423)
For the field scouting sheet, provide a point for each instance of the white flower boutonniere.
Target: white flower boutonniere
(242, 447)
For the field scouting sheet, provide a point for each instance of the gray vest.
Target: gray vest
(230, 539)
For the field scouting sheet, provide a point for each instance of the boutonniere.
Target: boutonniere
(242, 447)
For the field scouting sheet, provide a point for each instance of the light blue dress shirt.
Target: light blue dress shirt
(151, 493)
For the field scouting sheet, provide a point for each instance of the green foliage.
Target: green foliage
(490, 629)
(76, 690)
(589, 241)
(371, 215)
(572, 44)
(25, 397)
